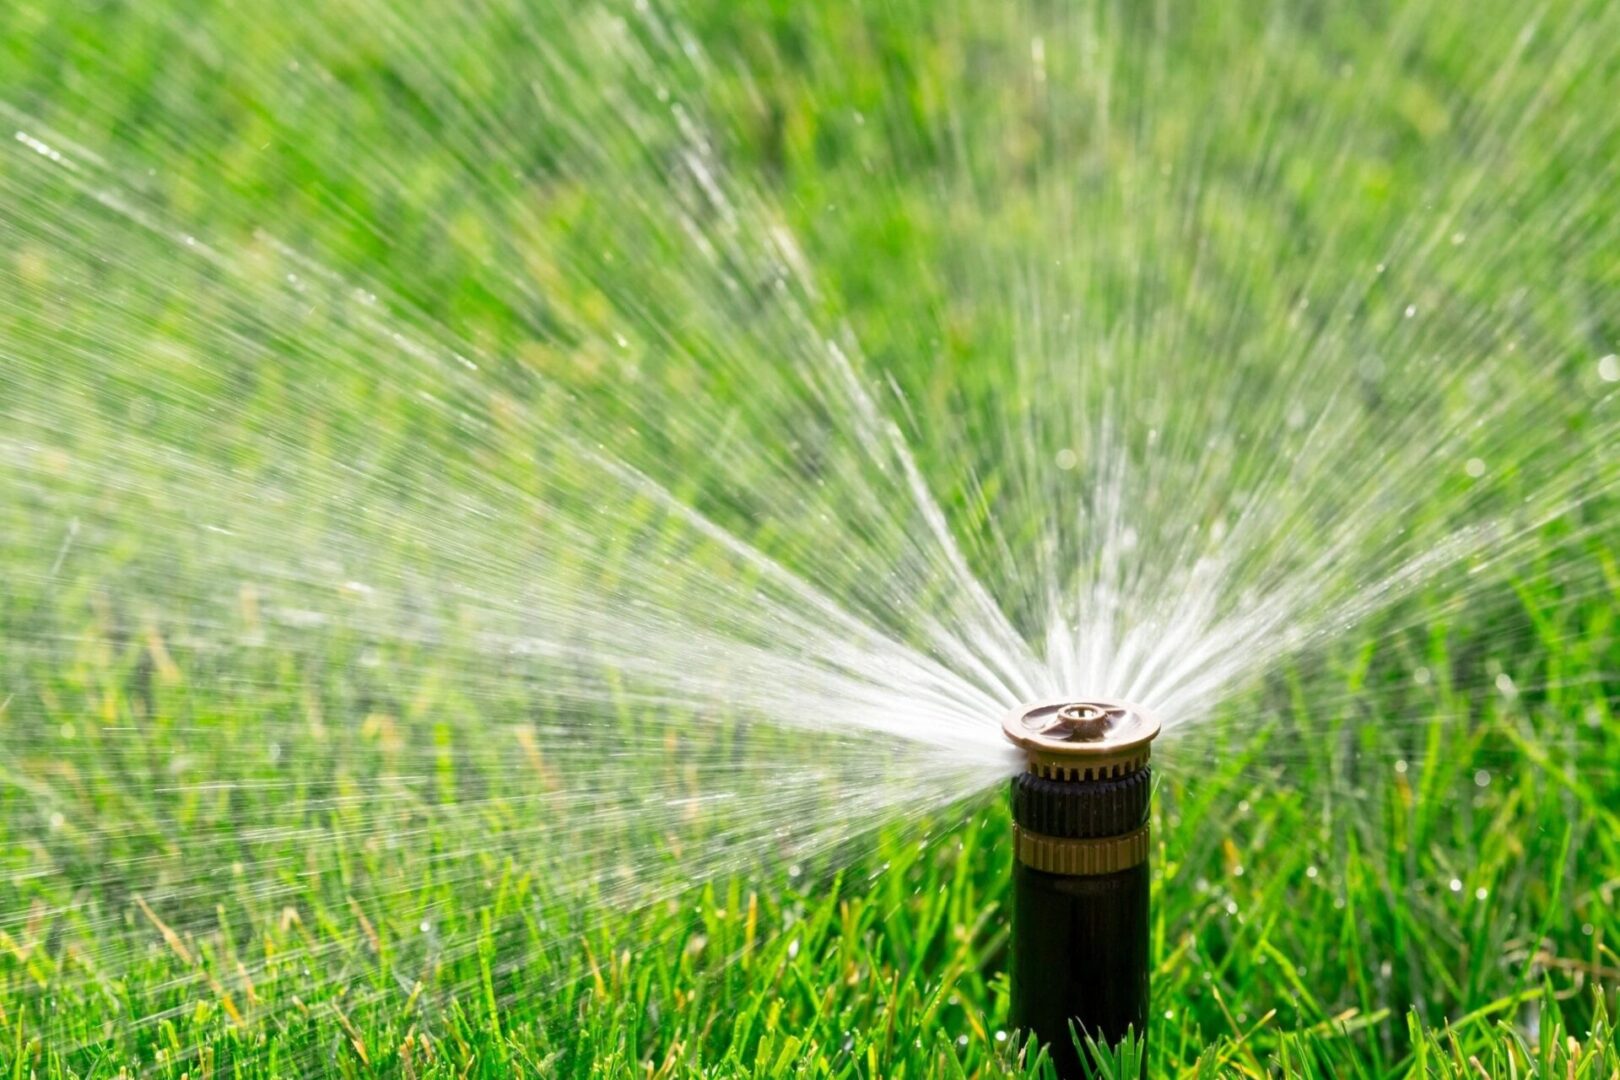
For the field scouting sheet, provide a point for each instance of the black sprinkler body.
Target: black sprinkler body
(1080, 874)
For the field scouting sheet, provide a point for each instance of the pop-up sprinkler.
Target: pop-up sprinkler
(1080, 875)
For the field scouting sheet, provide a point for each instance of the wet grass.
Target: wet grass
(1337, 897)
(1401, 859)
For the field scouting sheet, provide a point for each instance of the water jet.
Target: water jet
(1080, 873)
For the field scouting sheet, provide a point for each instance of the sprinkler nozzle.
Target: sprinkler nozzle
(1082, 740)
(1087, 721)
(1080, 877)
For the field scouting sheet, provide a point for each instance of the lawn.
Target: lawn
(428, 437)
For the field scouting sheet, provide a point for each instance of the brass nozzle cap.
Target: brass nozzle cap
(1082, 739)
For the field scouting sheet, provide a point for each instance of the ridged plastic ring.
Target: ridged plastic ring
(1081, 811)
(1081, 858)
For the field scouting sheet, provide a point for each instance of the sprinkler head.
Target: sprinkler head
(1080, 875)
(1077, 740)
(1086, 721)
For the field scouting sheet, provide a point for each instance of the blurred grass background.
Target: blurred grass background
(1396, 859)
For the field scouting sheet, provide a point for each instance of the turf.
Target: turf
(1458, 912)
(1399, 858)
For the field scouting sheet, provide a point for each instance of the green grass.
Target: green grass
(1305, 928)
(1397, 858)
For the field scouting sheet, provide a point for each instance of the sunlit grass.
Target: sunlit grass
(1465, 878)
(264, 816)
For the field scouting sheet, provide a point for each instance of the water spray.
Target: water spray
(1080, 873)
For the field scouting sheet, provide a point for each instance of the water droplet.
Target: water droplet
(1067, 459)
(1482, 779)
(1411, 310)
(1475, 468)
(1609, 368)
